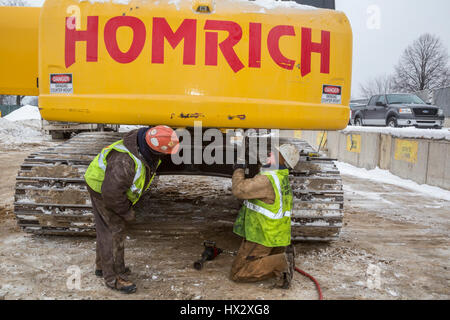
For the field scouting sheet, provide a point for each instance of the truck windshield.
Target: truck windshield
(404, 99)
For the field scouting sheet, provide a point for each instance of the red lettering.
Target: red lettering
(308, 47)
(211, 43)
(234, 36)
(273, 44)
(186, 31)
(90, 36)
(139, 35)
(254, 59)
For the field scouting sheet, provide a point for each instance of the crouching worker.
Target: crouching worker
(116, 180)
(264, 222)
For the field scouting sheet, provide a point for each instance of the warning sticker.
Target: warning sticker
(331, 94)
(61, 83)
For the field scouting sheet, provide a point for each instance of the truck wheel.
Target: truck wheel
(358, 122)
(392, 122)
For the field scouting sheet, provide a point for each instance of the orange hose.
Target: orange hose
(313, 280)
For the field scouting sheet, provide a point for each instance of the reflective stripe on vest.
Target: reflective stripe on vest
(269, 214)
(101, 164)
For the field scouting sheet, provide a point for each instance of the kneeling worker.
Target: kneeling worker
(264, 222)
(116, 180)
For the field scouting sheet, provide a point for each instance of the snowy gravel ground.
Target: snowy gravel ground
(394, 244)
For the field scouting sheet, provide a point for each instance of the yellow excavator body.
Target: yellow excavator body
(19, 47)
(227, 63)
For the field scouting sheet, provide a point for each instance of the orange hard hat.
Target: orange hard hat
(162, 139)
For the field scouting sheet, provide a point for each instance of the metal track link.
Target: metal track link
(51, 196)
(318, 197)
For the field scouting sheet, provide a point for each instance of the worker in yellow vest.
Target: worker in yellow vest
(264, 222)
(116, 180)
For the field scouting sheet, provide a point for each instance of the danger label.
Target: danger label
(61, 83)
(331, 94)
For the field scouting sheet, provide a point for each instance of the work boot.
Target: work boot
(122, 285)
(287, 276)
(99, 272)
(290, 253)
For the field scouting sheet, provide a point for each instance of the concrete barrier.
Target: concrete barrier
(385, 151)
(439, 165)
(447, 123)
(409, 159)
(425, 161)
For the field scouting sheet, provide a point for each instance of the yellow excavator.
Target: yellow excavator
(227, 63)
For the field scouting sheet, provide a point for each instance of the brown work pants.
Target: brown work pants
(255, 262)
(110, 242)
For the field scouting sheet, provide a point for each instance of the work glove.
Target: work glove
(237, 166)
(130, 216)
(240, 163)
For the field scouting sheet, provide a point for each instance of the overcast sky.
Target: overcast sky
(378, 46)
(382, 29)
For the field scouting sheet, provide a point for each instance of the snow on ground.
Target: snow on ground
(22, 126)
(24, 113)
(127, 128)
(103, 1)
(435, 134)
(273, 4)
(385, 177)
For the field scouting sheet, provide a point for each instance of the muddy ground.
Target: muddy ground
(395, 245)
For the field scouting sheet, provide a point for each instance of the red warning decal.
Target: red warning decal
(61, 83)
(332, 89)
(331, 94)
(61, 78)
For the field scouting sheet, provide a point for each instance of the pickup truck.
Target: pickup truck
(354, 107)
(399, 110)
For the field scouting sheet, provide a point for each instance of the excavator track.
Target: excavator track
(318, 211)
(51, 196)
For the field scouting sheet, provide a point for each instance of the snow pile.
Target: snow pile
(21, 127)
(176, 3)
(17, 133)
(103, 1)
(24, 113)
(384, 176)
(262, 4)
(414, 133)
(273, 4)
(127, 128)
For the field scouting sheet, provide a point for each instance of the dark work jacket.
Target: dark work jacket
(119, 176)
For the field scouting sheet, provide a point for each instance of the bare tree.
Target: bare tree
(423, 65)
(379, 85)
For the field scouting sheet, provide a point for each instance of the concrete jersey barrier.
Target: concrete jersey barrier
(419, 155)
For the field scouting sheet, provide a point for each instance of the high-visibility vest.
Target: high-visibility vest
(95, 174)
(268, 224)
